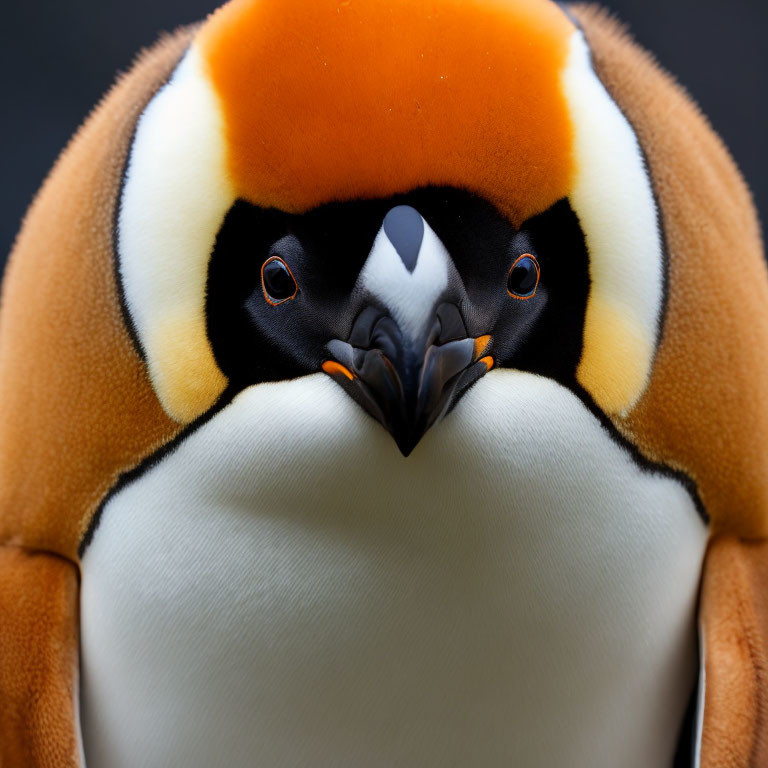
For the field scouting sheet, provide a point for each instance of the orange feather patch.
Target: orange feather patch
(326, 100)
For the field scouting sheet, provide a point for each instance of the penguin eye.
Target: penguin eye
(277, 281)
(523, 277)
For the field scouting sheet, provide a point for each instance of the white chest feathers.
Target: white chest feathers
(285, 589)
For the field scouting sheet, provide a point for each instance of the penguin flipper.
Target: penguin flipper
(38, 660)
(734, 621)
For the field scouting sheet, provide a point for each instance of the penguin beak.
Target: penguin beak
(408, 385)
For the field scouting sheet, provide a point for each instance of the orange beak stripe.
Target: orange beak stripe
(481, 344)
(331, 367)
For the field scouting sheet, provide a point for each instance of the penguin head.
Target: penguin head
(398, 222)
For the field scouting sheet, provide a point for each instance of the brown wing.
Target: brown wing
(706, 409)
(734, 618)
(38, 660)
(76, 410)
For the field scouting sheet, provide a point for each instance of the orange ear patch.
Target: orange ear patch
(334, 100)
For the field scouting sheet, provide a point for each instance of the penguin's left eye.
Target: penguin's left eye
(277, 281)
(523, 277)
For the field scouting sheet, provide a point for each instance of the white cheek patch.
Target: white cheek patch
(177, 192)
(410, 297)
(613, 198)
(174, 200)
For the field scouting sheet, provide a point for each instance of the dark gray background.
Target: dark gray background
(58, 56)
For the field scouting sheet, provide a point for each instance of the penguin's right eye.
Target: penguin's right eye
(277, 281)
(523, 277)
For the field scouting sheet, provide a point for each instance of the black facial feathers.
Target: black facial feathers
(325, 250)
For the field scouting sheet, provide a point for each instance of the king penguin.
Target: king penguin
(372, 393)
